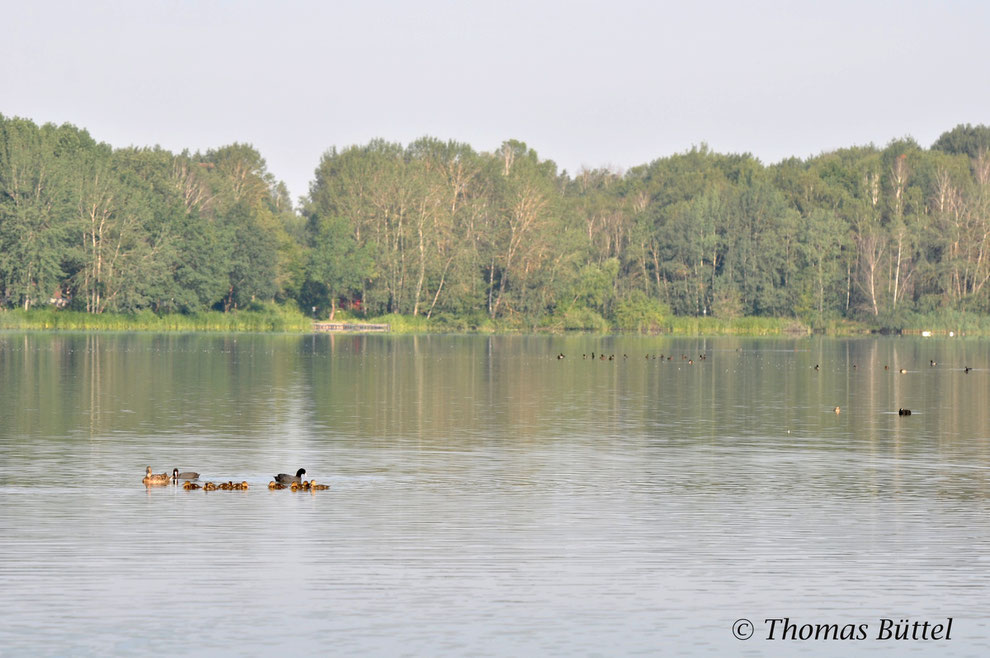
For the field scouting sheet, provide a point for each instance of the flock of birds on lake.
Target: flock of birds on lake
(188, 479)
(702, 357)
(611, 357)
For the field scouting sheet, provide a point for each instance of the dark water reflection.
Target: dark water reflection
(488, 498)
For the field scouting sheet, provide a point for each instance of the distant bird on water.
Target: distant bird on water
(284, 478)
(153, 478)
(836, 410)
(188, 475)
(903, 412)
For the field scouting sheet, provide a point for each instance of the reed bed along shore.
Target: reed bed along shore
(274, 318)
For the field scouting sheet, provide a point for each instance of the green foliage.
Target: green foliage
(580, 318)
(964, 138)
(637, 312)
(451, 239)
(262, 317)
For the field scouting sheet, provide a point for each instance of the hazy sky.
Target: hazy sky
(606, 83)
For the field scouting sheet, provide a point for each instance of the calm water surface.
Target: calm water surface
(488, 498)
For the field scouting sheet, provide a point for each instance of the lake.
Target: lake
(490, 499)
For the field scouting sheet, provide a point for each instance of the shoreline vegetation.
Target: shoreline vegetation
(435, 236)
(278, 319)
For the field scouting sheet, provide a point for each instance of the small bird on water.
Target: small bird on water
(156, 478)
(285, 478)
(188, 475)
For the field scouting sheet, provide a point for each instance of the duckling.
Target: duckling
(318, 487)
(903, 412)
(209, 486)
(275, 485)
(189, 486)
(188, 475)
(284, 478)
(295, 486)
(156, 478)
(244, 485)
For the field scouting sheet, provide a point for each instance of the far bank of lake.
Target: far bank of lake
(274, 318)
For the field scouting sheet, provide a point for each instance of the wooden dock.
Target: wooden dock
(328, 327)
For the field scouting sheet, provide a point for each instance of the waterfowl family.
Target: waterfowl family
(284, 478)
(281, 481)
(156, 478)
(188, 475)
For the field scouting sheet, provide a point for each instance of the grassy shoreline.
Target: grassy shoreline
(289, 320)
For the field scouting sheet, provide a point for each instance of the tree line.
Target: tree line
(438, 230)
